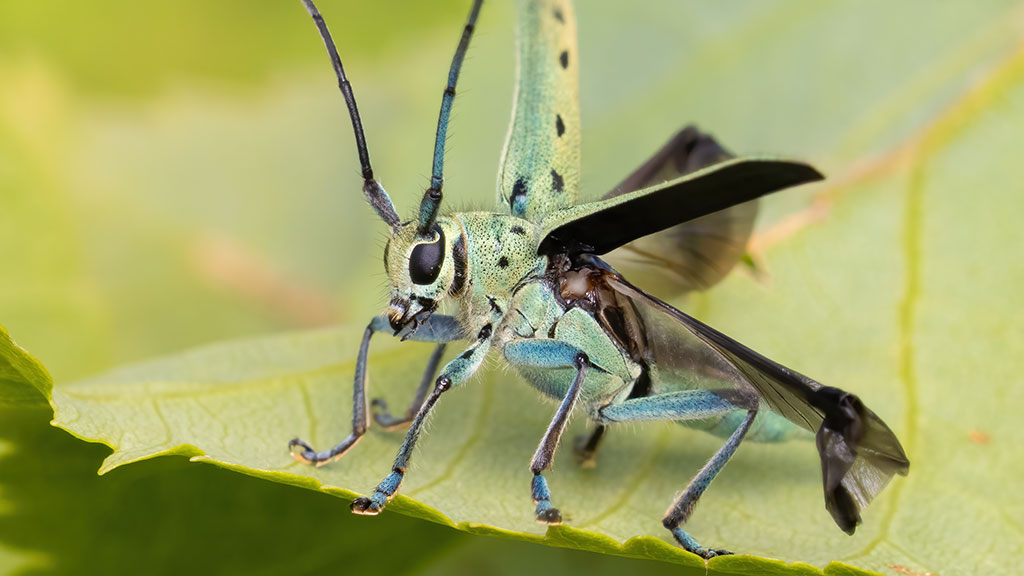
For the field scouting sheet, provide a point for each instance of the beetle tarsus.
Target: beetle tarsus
(548, 515)
(709, 553)
(302, 451)
(383, 417)
(365, 507)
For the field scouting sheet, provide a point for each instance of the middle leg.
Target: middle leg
(545, 513)
(547, 354)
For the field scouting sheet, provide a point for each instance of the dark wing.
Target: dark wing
(694, 255)
(859, 453)
(602, 226)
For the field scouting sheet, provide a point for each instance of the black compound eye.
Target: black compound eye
(426, 259)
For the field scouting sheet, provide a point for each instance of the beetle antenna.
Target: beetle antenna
(432, 197)
(374, 192)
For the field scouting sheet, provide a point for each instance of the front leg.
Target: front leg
(439, 328)
(455, 372)
(384, 419)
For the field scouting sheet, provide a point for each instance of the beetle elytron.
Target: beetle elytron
(528, 281)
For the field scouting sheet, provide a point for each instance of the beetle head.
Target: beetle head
(420, 268)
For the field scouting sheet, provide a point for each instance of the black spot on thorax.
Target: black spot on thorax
(564, 58)
(503, 262)
(517, 230)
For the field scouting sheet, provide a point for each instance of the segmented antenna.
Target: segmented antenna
(372, 189)
(432, 197)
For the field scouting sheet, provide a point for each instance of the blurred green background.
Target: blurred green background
(178, 173)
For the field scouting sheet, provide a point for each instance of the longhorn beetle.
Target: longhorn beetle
(527, 280)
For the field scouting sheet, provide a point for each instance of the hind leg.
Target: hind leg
(677, 514)
(686, 405)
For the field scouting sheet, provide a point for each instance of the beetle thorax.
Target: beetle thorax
(501, 251)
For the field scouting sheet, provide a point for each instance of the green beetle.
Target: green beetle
(528, 280)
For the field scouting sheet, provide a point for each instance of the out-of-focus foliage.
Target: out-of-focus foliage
(180, 174)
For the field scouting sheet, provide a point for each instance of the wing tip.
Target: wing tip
(798, 172)
(859, 455)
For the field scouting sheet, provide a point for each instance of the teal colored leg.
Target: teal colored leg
(455, 372)
(438, 328)
(677, 514)
(545, 513)
(549, 354)
(682, 406)
(384, 419)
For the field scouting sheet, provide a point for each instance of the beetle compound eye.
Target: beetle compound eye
(426, 259)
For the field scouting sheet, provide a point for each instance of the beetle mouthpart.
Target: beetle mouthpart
(396, 313)
(406, 317)
(413, 324)
(409, 329)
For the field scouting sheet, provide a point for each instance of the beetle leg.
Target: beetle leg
(685, 405)
(549, 354)
(546, 514)
(439, 328)
(677, 514)
(455, 372)
(380, 407)
(586, 446)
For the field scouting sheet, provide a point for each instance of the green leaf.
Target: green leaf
(174, 517)
(24, 382)
(236, 404)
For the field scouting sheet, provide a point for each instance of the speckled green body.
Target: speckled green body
(503, 282)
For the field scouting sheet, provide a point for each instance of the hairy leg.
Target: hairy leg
(439, 328)
(685, 405)
(384, 419)
(455, 372)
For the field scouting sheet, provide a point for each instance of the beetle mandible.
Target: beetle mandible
(528, 281)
